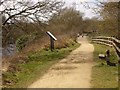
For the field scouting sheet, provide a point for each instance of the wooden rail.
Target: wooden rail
(110, 41)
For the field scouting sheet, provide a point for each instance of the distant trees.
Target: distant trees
(90, 25)
(107, 22)
(66, 25)
(68, 21)
(110, 16)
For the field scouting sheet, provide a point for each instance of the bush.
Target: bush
(21, 42)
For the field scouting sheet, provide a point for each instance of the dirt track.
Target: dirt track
(72, 72)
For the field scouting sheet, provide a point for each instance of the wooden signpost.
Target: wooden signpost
(52, 39)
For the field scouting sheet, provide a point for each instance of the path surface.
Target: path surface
(72, 72)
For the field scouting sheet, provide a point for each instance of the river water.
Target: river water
(9, 50)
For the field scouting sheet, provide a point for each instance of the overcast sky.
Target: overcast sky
(88, 12)
(80, 7)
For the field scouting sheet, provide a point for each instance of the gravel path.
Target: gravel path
(73, 71)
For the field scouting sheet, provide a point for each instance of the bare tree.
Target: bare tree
(108, 13)
(28, 11)
(34, 11)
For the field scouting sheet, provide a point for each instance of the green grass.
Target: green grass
(104, 76)
(38, 64)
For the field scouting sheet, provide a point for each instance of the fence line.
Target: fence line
(110, 41)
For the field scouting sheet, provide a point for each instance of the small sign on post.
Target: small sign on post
(52, 39)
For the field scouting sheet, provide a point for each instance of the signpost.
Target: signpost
(52, 39)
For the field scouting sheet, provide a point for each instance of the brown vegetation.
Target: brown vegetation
(64, 26)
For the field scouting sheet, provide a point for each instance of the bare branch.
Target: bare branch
(41, 9)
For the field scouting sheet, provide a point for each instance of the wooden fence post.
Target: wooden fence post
(51, 44)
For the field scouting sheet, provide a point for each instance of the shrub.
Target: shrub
(21, 42)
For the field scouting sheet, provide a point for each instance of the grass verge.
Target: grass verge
(104, 76)
(37, 64)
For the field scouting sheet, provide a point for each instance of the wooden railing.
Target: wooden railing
(110, 41)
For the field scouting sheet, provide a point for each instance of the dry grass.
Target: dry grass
(37, 45)
(21, 74)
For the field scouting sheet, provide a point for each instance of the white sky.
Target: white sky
(88, 12)
(80, 7)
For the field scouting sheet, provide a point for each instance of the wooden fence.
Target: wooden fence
(110, 41)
